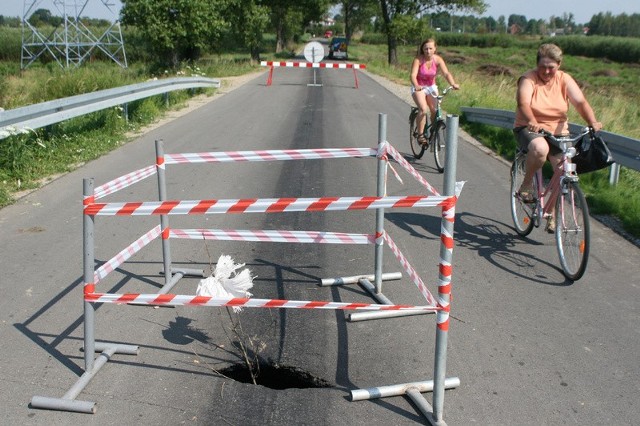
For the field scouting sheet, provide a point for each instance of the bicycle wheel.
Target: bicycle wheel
(572, 231)
(521, 213)
(416, 147)
(437, 140)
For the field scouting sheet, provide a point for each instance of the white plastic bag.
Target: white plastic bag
(225, 282)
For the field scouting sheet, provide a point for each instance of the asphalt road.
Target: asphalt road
(528, 346)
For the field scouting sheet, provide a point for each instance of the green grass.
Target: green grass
(28, 160)
(488, 79)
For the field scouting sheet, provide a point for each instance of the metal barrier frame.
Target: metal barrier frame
(91, 276)
(314, 65)
(434, 413)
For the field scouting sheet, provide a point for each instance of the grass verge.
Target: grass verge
(29, 159)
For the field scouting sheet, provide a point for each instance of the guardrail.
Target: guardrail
(626, 151)
(51, 112)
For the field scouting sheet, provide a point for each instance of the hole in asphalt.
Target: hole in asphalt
(275, 376)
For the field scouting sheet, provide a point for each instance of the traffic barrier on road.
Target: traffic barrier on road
(172, 275)
(315, 65)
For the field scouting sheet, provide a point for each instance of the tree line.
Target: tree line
(605, 24)
(44, 17)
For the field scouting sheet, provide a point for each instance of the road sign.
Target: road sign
(314, 52)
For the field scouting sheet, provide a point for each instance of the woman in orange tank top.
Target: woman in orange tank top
(543, 97)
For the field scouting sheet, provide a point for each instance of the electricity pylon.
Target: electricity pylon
(70, 43)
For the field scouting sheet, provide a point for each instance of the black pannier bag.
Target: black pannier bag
(592, 154)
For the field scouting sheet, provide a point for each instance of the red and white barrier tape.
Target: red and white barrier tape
(273, 236)
(387, 147)
(445, 266)
(262, 205)
(189, 300)
(395, 173)
(444, 289)
(123, 182)
(125, 254)
(268, 155)
(409, 269)
(311, 65)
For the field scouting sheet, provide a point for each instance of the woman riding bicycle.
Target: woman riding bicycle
(543, 98)
(424, 69)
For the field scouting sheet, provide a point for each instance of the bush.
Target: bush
(479, 40)
(618, 49)
(10, 44)
(374, 38)
(146, 110)
(135, 46)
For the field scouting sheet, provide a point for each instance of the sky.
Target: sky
(582, 10)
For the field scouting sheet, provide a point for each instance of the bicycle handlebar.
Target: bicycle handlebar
(443, 94)
(567, 138)
(447, 90)
(568, 143)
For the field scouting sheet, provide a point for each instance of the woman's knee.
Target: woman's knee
(431, 104)
(539, 147)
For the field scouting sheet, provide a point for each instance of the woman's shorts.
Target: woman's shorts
(524, 138)
(433, 90)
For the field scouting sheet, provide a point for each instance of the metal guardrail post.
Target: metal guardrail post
(614, 174)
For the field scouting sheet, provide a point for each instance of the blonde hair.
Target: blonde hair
(551, 51)
(429, 40)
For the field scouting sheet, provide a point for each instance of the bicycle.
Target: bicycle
(436, 139)
(572, 233)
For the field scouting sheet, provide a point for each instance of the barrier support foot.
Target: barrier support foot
(381, 298)
(412, 390)
(68, 402)
(177, 275)
(423, 405)
(356, 278)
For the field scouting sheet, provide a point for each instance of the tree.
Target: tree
(491, 24)
(292, 16)
(621, 25)
(44, 17)
(501, 25)
(534, 27)
(357, 14)
(395, 8)
(176, 30)
(519, 20)
(249, 20)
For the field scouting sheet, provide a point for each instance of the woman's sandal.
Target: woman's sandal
(422, 140)
(551, 225)
(527, 196)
